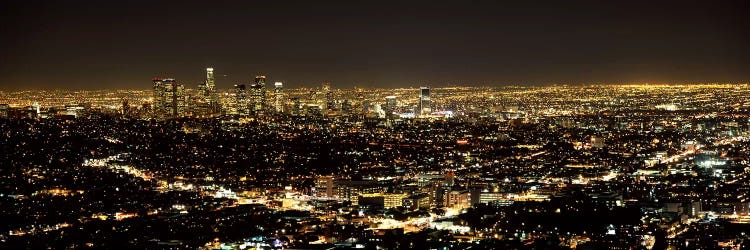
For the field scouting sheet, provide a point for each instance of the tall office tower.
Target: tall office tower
(296, 106)
(212, 97)
(390, 107)
(210, 84)
(125, 108)
(169, 98)
(207, 102)
(241, 104)
(424, 102)
(174, 96)
(278, 97)
(258, 95)
(159, 104)
(327, 97)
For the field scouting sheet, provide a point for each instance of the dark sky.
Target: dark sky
(76, 44)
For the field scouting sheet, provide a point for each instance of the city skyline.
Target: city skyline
(555, 167)
(374, 125)
(104, 45)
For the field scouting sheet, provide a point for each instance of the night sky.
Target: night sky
(123, 44)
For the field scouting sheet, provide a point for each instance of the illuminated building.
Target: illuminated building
(278, 97)
(169, 98)
(296, 106)
(390, 106)
(456, 198)
(393, 200)
(328, 103)
(324, 186)
(207, 102)
(258, 95)
(598, 142)
(424, 102)
(365, 107)
(351, 190)
(4, 110)
(240, 100)
(346, 107)
(379, 199)
(37, 108)
(125, 108)
(417, 201)
(159, 98)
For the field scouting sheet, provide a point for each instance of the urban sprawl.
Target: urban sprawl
(258, 166)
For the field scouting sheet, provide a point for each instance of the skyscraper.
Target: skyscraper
(278, 97)
(125, 108)
(390, 107)
(327, 97)
(207, 102)
(240, 105)
(296, 106)
(210, 84)
(258, 95)
(159, 98)
(175, 94)
(169, 98)
(424, 102)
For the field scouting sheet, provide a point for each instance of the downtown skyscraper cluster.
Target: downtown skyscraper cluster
(172, 100)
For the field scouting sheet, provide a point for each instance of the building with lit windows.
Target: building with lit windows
(258, 95)
(324, 186)
(240, 103)
(390, 107)
(207, 101)
(424, 108)
(278, 97)
(169, 99)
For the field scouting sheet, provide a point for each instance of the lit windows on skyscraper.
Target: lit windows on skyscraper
(240, 105)
(390, 107)
(169, 98)
(258, 95)
(278, 97)
(424, 102)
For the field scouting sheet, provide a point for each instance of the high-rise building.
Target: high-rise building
(210, 94)
(296, 106)
(390, 107)
(125, 108)
(159, 98)
(241, 103)
(424, 102)
(210, 84)
(278, 97)
(207, 101)
(169, 98)
(37, 107)
(328, 102)
(175, 96)
(324, 186)
(258, 95)
(4, 110)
